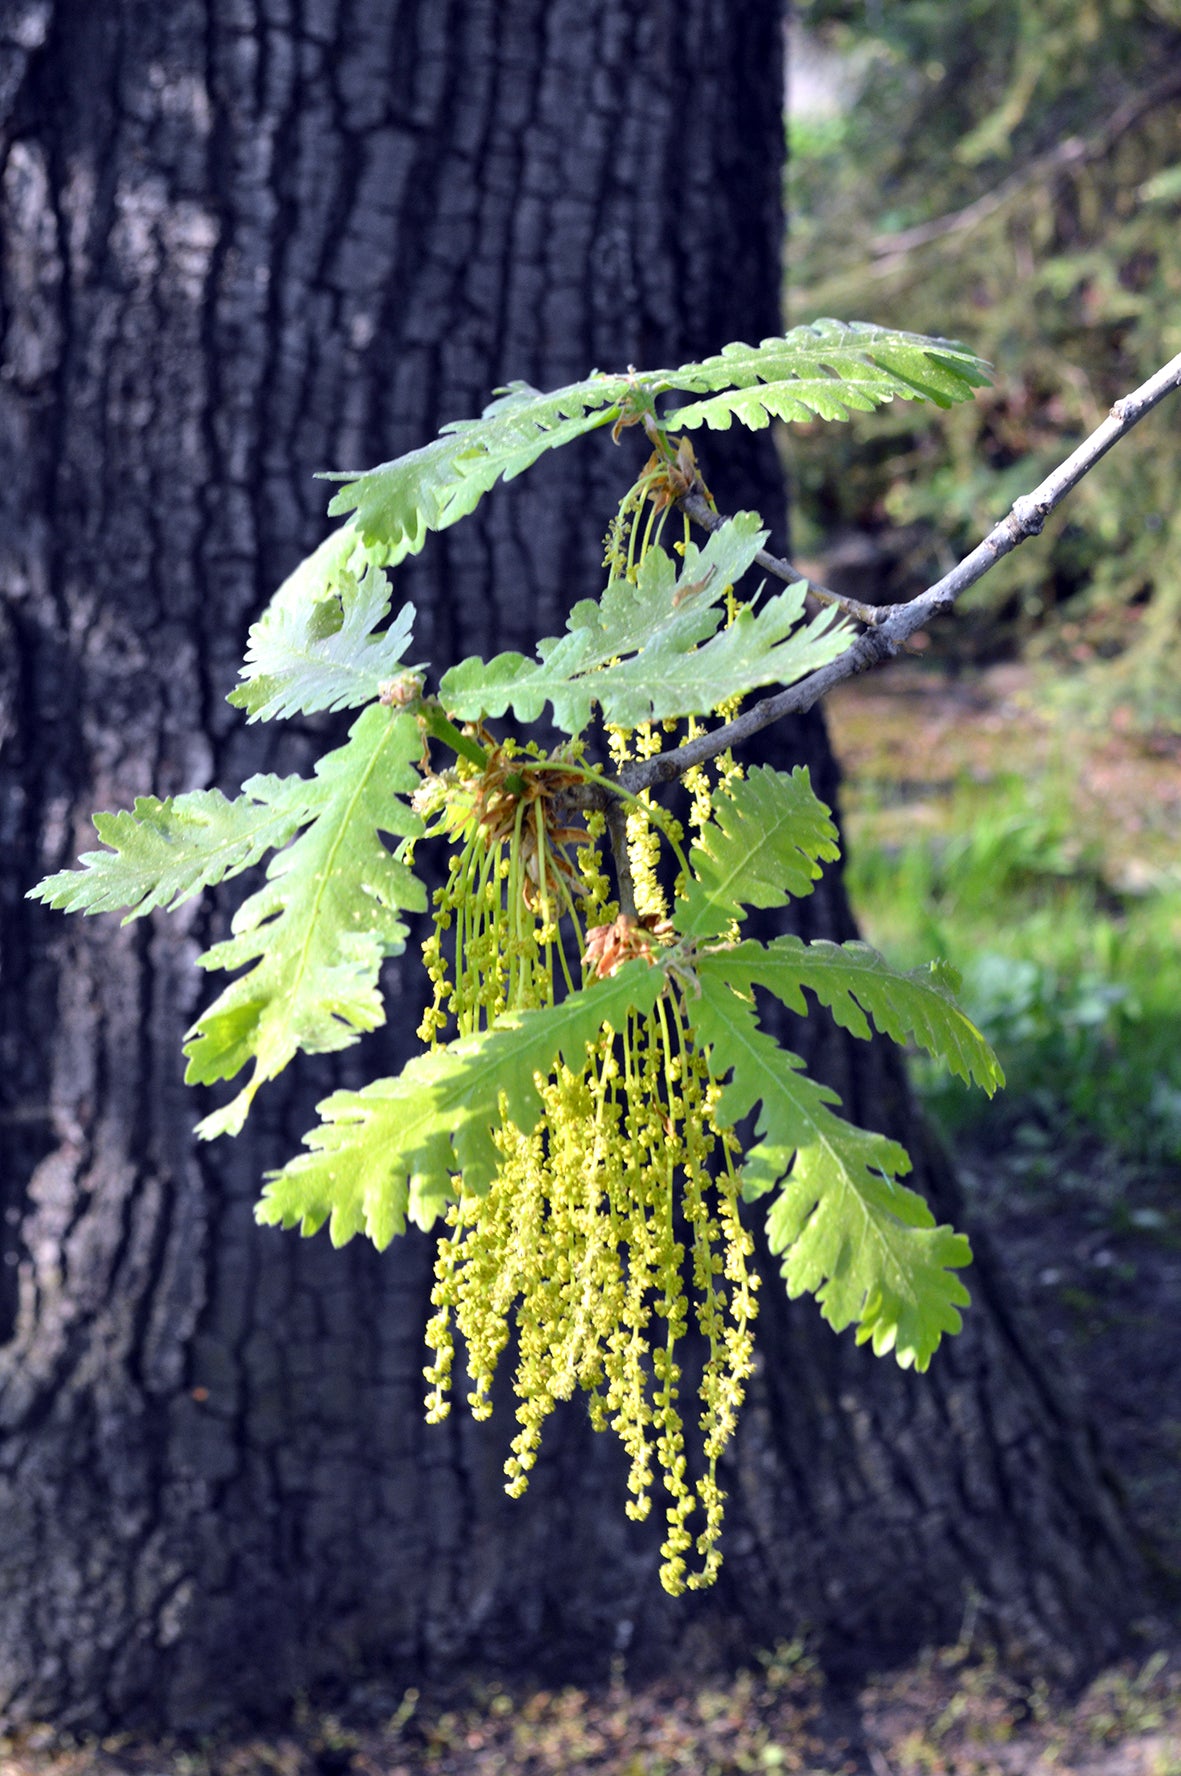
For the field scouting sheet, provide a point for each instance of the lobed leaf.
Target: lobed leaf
(652, 650)
(319, 928)
(318, 650)
(764, 844)
(828, 370)
(852, 979)
(316, 576)
(848, 1231)
(166, 851)
(391, 1150)
(397, 504)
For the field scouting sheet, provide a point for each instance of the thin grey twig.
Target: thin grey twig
(695, 506)
(1028, 514)
(897, 622)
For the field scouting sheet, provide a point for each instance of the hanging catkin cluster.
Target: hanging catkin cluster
(611, 1228)
(591, 1040)
(605, 1232)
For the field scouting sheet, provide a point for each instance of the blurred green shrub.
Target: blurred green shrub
(1010, 174)
(1074, 983)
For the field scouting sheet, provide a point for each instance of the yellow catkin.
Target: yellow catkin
(611, 1231)
(577, 1249)
(598, 907)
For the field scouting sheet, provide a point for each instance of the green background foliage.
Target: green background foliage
(1043, 861)
(1012, 172)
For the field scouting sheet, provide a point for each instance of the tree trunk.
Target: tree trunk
(242, 240)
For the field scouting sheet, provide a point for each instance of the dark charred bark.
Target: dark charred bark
(242, 240)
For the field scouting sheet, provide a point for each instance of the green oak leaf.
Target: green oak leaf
(314, 936)
(321, 652)
(765, 842)
(166, 851)
(392, 1149)
(852, 979)
(847, 1231)
(655, 650)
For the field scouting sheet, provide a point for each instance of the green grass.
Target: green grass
(1076, 984)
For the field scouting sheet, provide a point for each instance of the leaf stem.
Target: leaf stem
(438, 727)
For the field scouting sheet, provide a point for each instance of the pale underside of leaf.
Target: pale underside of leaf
(848, 1231)
(318, 575)
(322, 653)
(393, 1149)
(319, 929)
(167, 851)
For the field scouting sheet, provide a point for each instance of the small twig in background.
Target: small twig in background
(1074, 151)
